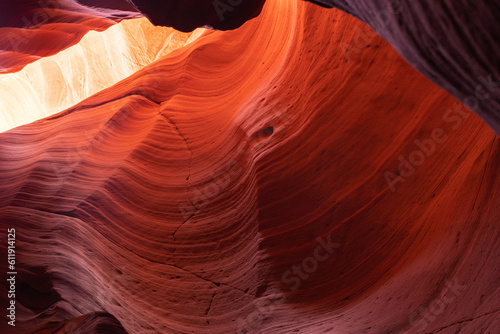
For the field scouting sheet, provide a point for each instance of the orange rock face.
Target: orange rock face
(30, 30)
(252, 181)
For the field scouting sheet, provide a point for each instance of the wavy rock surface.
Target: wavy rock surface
(260, 181)
(454, 43)
(32, 29)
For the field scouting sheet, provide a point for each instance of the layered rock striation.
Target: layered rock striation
(286, 176)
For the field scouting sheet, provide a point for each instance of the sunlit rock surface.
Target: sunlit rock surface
(454, 43)
(98, 61)
(259, 180)
(31, 29)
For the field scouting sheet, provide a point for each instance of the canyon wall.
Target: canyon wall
(293, 175)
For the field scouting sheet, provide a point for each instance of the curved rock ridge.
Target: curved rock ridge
(257, 181)
(454, 43)
(466, 63)
(32, 29)
(98, 323)
(98, 61)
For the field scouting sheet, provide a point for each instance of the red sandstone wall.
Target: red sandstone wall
(258, 180)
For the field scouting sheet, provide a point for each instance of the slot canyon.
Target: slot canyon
(250, 166)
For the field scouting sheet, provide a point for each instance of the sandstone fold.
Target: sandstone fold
(257, 180)
(453, 43)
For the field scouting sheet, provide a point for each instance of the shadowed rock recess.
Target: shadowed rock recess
(290, 170)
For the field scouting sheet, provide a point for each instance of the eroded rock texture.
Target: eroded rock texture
(261, 180)
(454, 43)
(32, 29)
(97, 61)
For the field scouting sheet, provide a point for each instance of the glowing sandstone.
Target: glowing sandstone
(98, 61)
(95, 192)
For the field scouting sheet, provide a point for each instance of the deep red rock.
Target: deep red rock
(283, 177)
(454, 43)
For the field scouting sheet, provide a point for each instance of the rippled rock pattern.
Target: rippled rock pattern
(292, 175)
(454, 43)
